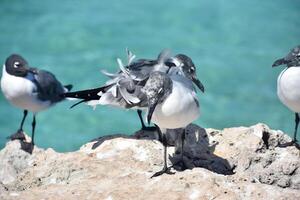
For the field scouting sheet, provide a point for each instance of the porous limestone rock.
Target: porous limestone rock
(235, 163)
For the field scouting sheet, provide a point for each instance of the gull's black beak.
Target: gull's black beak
(280, 61)
(199, 84)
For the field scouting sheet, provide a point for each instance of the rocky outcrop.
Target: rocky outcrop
(235, 163)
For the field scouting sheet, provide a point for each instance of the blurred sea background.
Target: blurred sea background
(232, 43)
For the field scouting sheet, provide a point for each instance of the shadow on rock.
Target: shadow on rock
(198, 148)
(100, 140)
(198, 151)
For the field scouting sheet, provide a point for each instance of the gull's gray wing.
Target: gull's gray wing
(126, 93)
(130, 82)
(291, 59)
(125, 86)
(48, 87)
(157, 89)
(140, 69)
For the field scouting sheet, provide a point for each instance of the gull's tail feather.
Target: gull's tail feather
(130, 56)
(76, 104)
(109, 75)
(86, 95)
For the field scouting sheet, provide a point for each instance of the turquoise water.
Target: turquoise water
(233, 44)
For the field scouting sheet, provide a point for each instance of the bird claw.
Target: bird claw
(19, 135)
(165, 170)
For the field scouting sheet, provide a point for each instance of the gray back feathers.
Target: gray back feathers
(129, 93)
(130, 80)
(158, 87)
(293, 58)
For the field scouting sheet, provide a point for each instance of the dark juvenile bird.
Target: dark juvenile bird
(30, 89)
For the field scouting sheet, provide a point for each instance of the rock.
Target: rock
(13, 161)
(235, 163)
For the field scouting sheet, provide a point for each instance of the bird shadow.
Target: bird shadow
(197, 152)
(100, 140)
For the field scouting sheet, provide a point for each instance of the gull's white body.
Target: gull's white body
(288, 88)
(19, 91)
(180, 108)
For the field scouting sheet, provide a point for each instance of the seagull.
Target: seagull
(30, 89)
(172, 101)
(288, 86)
(121, 84)
(167, 94)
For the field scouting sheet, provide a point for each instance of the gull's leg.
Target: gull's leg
(165, 169)
(294, 141)
(141, 118)
(181, 163)
(19, 135)
(28, 147)
(296, 127)
(160, 136)
(23, 120)
(144, 127)
(33, 130)
(182, 143)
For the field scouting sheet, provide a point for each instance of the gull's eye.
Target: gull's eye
(192, 70)
(17, 64)
(170, 64)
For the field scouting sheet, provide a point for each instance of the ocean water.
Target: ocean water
(233, 44)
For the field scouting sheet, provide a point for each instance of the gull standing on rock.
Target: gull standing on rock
(172, 101)
(288, 86)
(121, 89)
(30, 89)
(168, 95)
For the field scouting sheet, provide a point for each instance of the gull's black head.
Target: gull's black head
(187, 67)
(16, 65)
(291, 60)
